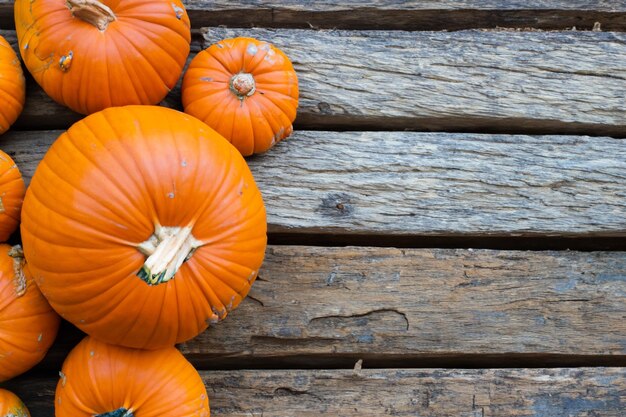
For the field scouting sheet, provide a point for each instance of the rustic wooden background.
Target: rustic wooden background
(447, 225)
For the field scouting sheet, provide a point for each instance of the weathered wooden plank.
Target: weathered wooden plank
(427, 184)
(510, 82)
(316, 306)
(384, 304)
(582, 392)
(397, 14)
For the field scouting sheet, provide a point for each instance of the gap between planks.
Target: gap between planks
(397, 15)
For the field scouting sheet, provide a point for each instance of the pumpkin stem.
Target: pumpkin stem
(242, 85)
(92, 11)
(166, 250)
(120, 412)
(19, 281)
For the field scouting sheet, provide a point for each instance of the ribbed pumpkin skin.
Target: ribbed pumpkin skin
(102, 189)
(255, 123)
(98, 378)
(12, 191)
(137, 59)
(11, 405)
(12, 86)
(28, 325)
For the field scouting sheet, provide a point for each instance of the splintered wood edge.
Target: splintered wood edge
(392, 392)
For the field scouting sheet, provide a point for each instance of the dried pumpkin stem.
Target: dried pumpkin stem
(19, 280)
(166, 250)
(120, 412)
(242, 85)
(92, 11)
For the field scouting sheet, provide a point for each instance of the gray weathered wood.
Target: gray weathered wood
(387, 304)
(397, 14)
(427, 184)
(526, 82)
(317, 306)
(582, 392)
(474, 80)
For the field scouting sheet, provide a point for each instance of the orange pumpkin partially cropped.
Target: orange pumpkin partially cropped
(90, 54)
(245, 89)
(28, 325)
(11, 405)
(12, 86)
(12, 191)
(103, 380)
(142, 226)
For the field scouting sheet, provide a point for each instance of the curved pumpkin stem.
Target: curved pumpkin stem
(19, 280)
(92, 12)
(166, 250)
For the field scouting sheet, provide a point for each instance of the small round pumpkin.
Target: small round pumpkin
(245, 89)
(90, 54)
(102, 380)
(28, 325)
(12, 86)
(11, 405)
(142, 226)
(12, 191)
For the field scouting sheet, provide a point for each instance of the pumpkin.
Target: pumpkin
(11, 405)
(245, 89)
(142, 226)
(12, 191)
(12, 86)
(90, 54)
(28, 325)
(102, 380)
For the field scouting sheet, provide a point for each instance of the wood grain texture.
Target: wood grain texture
(478, 81)
(329, 307)
(397, 14)
(555, 82)
(582, 392)
(383, 304)
(427, 184)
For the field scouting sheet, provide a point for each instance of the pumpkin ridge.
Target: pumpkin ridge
(111, 179)
(149, 63)
(96, 232)
(137, 87)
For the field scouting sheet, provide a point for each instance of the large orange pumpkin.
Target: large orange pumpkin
(90, 54)
(12, 191)
(11, 405)
(28, 325)
(103, 380)
(142, 225)
(245, 89)
(12, 86)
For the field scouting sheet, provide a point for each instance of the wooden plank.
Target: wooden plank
(385, 304)
(315, 306)
(479, 81)
(582, 392)
(397, 14)
(427, 184)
